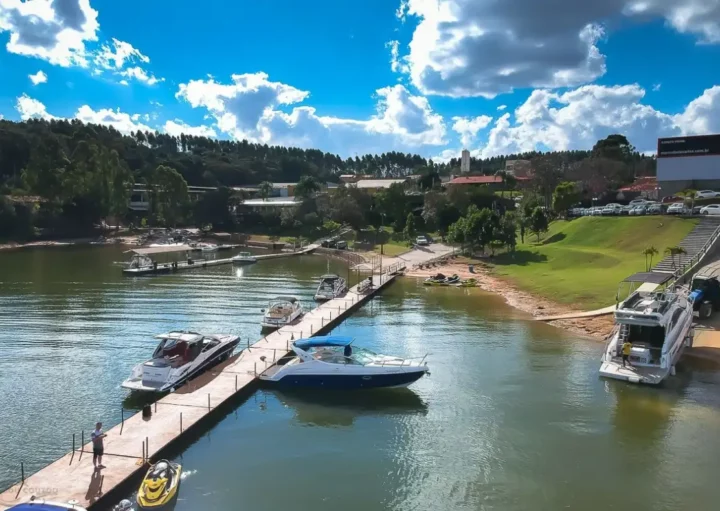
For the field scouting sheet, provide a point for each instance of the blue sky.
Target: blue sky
(425, 76)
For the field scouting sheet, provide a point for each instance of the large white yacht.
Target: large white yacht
(179, 357)
(658, 325)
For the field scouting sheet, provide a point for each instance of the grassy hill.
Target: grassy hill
(581, 262)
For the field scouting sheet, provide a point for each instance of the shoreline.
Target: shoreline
(598, 327)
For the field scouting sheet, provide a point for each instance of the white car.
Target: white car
(707, 194)
(712, 209)
(654, 209)
(638, 210)
(637, 202)
(677, 208)
(421, 240)
(612, 209)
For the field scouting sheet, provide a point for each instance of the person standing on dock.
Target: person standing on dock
(626, 350)
(98, 447)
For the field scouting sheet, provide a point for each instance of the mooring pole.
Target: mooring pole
(274, 351)
(147, 448)
(236, 383)
(22, 471)
(255, 368)
(82, 440)
(73, 442)
(180, 422)
(155, 406)
(208, 401)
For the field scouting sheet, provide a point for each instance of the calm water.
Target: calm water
(513, 416)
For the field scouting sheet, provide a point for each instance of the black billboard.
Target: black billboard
(704, 145)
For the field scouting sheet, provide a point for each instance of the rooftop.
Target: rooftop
(378, 183)
(272, 202)
(641, 184)
(480, 180)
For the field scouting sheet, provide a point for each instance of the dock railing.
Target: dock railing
(688, 267)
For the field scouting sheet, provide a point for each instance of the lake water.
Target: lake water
(513, 416)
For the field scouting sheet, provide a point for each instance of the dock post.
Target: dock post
(208, 401)
(274, 351)
(73, 442)
(255, 368)
(22, 471)
(311, 330)
(82, 440)
(143, 452)
(147, 448)
(180, 422)
(155, 406)
(236, 383)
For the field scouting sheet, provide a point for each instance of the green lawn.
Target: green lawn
(581, 262)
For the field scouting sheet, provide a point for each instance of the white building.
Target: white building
(465, 162)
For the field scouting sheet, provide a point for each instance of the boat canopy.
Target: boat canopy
(330, 277)
(161, 250)
(188, 337)
(323, 341)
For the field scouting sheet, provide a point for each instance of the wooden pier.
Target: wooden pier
(202, 263)
(137, 441)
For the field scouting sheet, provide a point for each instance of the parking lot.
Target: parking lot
(642, 207)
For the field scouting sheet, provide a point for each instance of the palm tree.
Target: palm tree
(689, 195)
(265, 189)
(650, 252)
(675, 252)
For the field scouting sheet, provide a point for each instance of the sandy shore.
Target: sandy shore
(597, 327)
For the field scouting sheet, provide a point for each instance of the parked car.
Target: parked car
(654, 209)
(626, 209)
(421, 240)
(707, 194)
(612, 209)
(637, 202)
(677, 208)
(696, 210)
(711, 209)
(671, 199)
(638, 210)
(341, 245)
(597, 211)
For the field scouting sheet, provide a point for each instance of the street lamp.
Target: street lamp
(382, 240)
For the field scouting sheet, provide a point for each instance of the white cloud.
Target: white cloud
(396, 63)
(30, 108)
(501, 108)
(578, 118)
(468, 127)
(177, 127)
(38, 78)
(249, 108)
(55, 31)
(140, 75)
(402, 10)
(115, 56)
(656, 87)
(124, 82)
(484, 48)
(121, 121)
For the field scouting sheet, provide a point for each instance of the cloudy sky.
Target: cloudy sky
(351, 77)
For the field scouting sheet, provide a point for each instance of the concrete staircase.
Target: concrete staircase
(693, 243)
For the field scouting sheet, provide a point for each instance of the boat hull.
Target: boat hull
(350, 381)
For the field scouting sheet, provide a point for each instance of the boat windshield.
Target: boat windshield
(343, 355)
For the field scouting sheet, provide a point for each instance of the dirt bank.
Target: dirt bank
(597, 327)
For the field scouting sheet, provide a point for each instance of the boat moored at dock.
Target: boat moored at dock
(179, 357)
(281, 311)
(332, 362)
(244, 258)
(45, 505)
(654, 327)
(331, 286)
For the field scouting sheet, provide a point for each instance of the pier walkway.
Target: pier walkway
(130, 445)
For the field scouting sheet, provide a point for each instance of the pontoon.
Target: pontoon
(179, 357)
(331, 286)
(282, 311)
(333, 362)
(658, 325)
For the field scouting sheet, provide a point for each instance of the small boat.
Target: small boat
(331, 286)
(468, 283)
(45, 505)
(160, 485)
(281, 311)
(658, 326)
(435, 280)
(179, 357)
(452, 280)
(244, 258)
(205, 247)
(332, 362)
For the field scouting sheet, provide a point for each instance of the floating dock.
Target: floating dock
(137, 441)
(199, 263)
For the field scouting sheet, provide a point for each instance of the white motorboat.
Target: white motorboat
(205, 247)
(658, 325)
(332, 362)
(331, 286)
(244, 258)
(281, 311)
(179, 357)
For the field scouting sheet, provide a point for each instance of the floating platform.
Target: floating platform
(135, 442)
(199, 263)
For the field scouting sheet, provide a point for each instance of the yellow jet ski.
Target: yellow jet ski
(160, 485)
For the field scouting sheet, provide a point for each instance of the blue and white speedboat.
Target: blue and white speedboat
(45, 505)
(333, 362)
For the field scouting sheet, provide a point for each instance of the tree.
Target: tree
(538, 222)
(675, 252)
(565, 195)
(688, 195)
(409, 231)
(547, 173)
(307, 187)
(265, 189)
(169, 195)
(649, 252)
(503, 177)
(214, 208)
(614, 147)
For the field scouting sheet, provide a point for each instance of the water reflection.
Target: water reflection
(332, 409)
